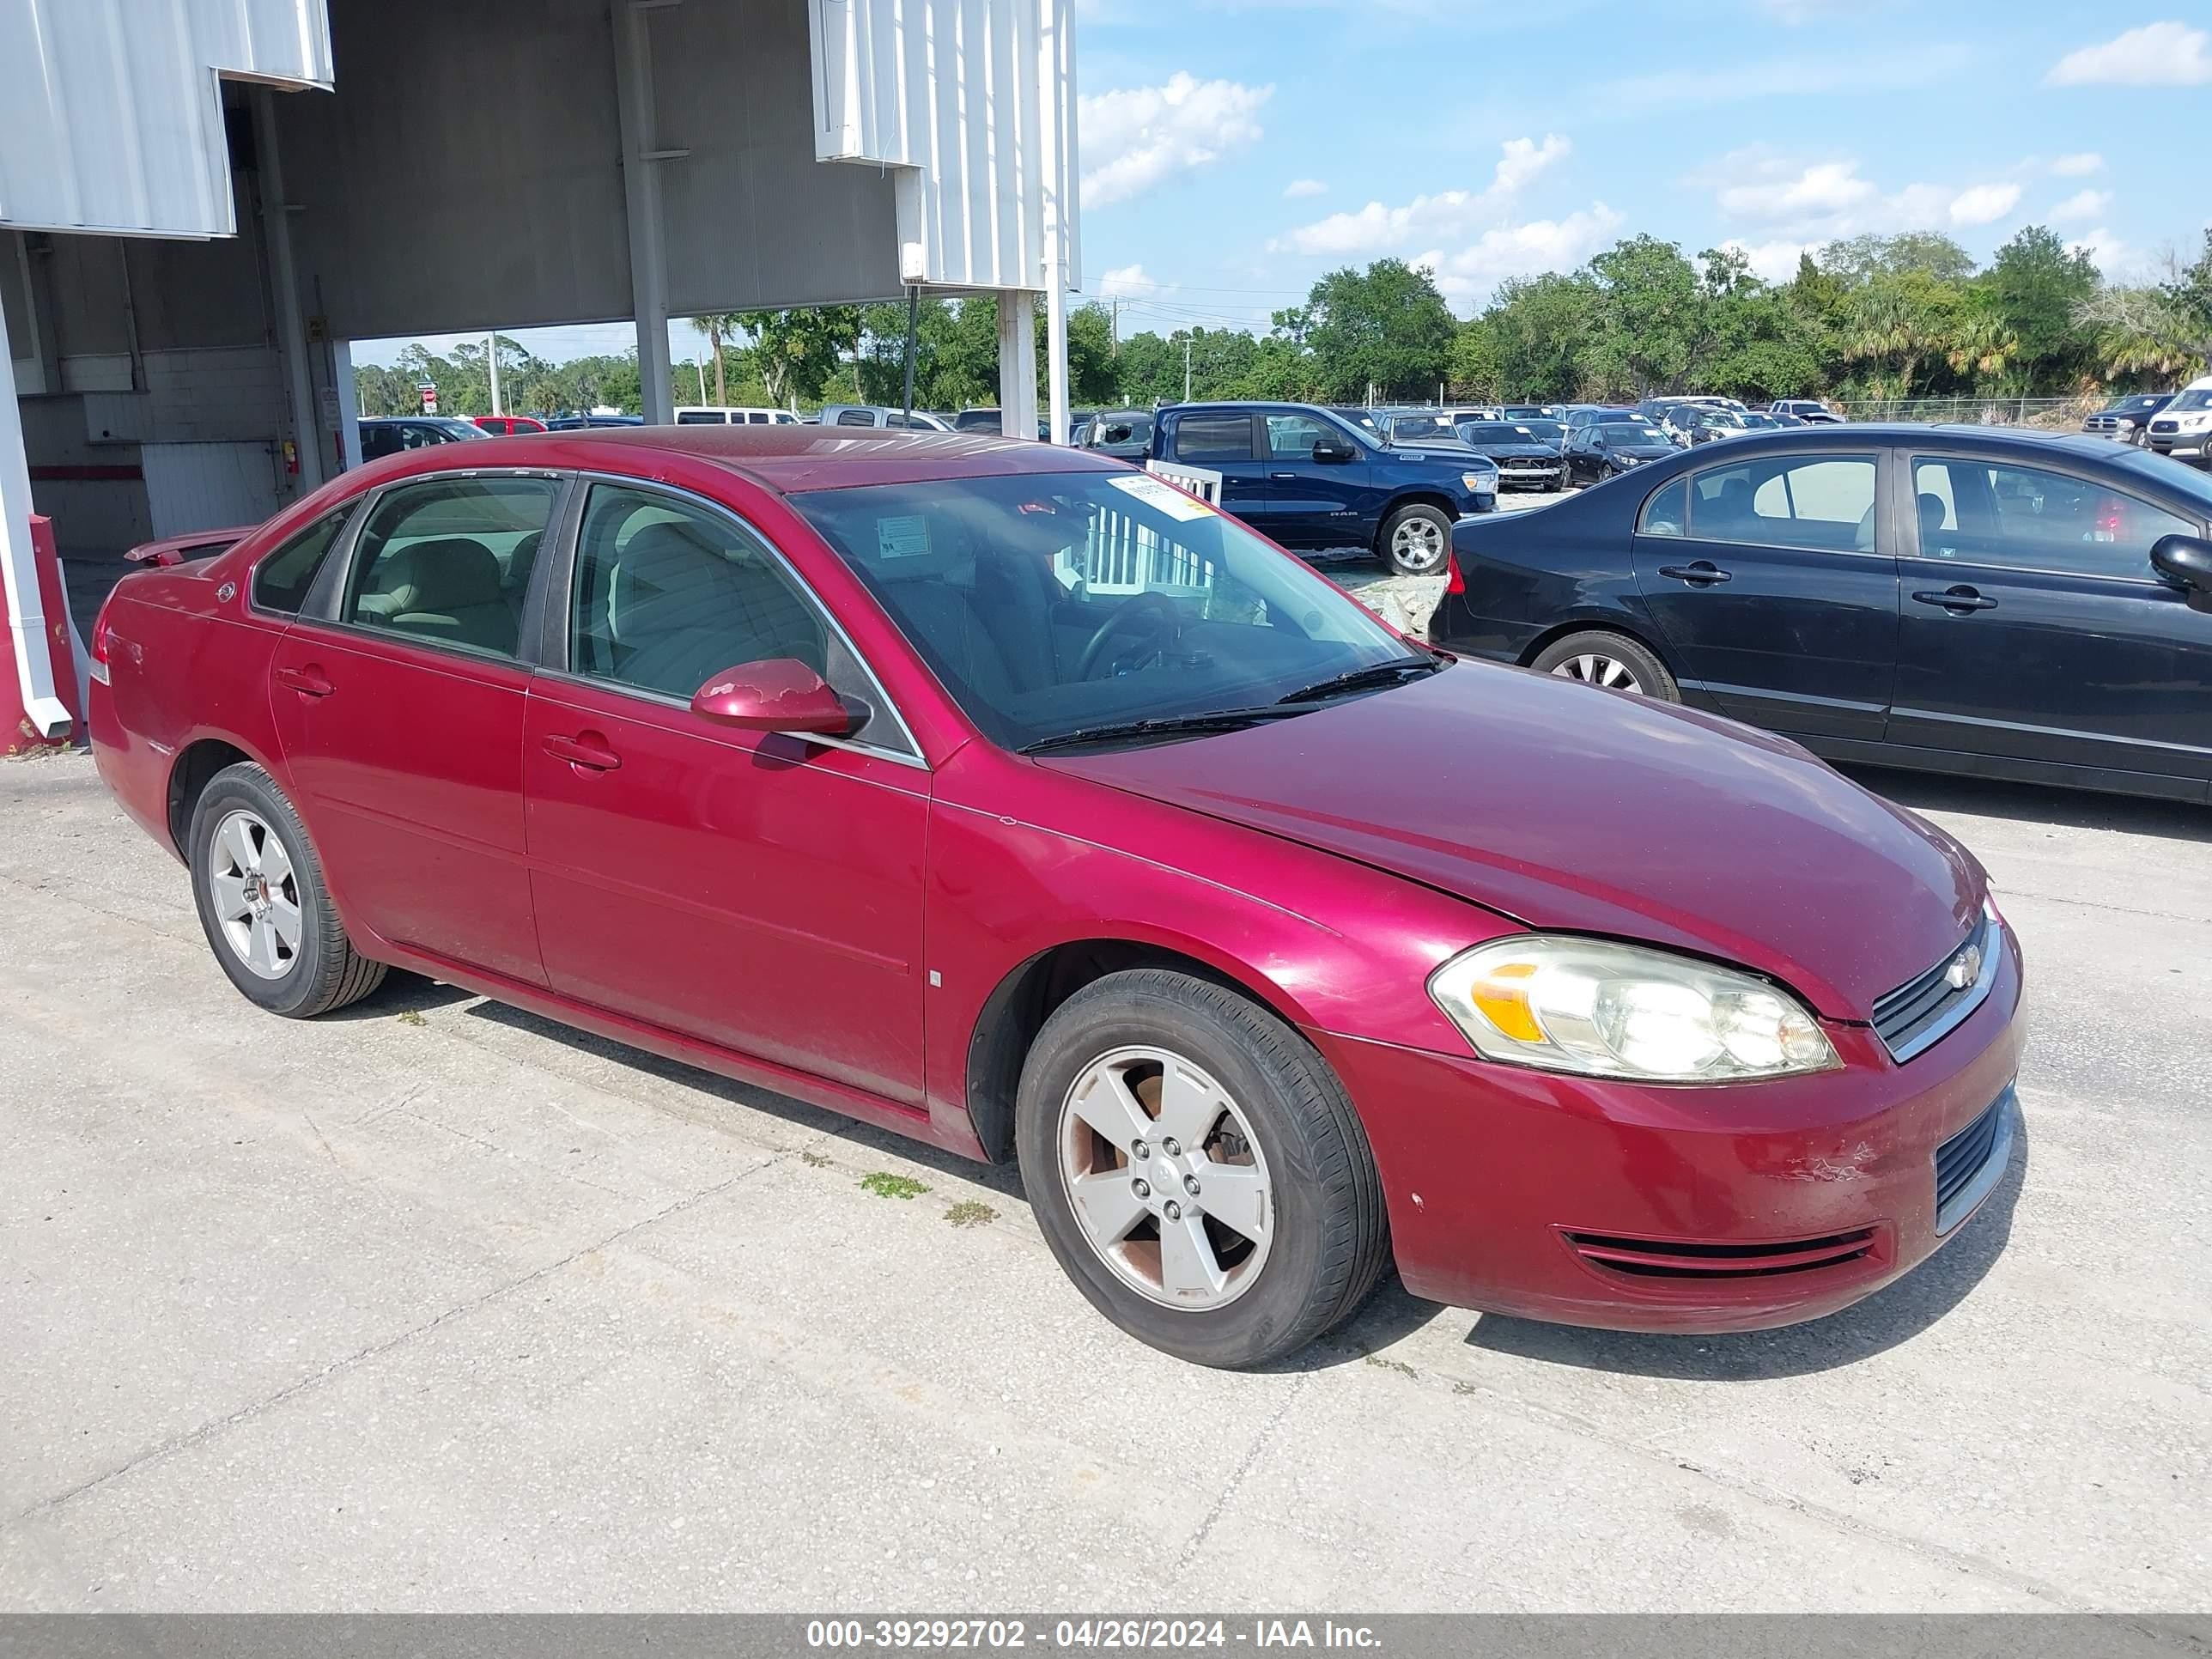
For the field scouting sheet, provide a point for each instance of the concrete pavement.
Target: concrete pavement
(432, 1306)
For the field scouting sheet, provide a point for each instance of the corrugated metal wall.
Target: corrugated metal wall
(111, 112)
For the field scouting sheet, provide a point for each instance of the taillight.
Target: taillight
(99, 642)
(1453, 582)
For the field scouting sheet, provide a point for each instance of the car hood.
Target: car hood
(1651, 451)
(1564, 807)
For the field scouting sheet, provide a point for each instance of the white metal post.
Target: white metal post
(19, 570)
(291, 324)
(348, 403)
(641, 160)
(1017, 387)
(1054, 133)
(491, 367)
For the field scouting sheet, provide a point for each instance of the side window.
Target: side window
(666, 595)
(1292, 437)
(700, 417)
(281, 581)
(377, 441)
(856, 417)
(1826, 503)
(1664, 512)
(448, 561)
(1203, 440)
(2023, 518)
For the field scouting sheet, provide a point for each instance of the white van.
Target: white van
(2183, 429)
(717, 415)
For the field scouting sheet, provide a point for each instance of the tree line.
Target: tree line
(1871, 316)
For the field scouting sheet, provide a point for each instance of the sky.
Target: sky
(1234, 150)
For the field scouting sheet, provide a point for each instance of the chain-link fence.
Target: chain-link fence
(2056, 414)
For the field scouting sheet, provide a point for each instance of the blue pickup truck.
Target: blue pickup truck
(1308, 478)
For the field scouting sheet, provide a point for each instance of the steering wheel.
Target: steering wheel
(1164, 622)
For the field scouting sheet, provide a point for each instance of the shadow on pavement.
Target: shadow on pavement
(2030, 803)
(1888, 1317)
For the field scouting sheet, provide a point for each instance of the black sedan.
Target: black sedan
(2004, 604)
(1525, 458)
(1593, 453)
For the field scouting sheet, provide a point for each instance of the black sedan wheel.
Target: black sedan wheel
(1612, 661)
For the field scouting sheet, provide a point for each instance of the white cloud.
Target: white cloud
(1771, 262)
(2085, 204)
(2169, 54)
(2107, 251)
(1379, 228)
(1467, 277)
(1982, 204)
(1135, 138)
(1130, 282)
(1300, 188)
(2079, 165)
(1824, 187)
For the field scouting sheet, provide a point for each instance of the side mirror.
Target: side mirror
(780, 694)
(2186, 562)
(1332, 451)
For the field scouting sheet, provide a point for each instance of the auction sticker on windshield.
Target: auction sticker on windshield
(1171, 501)
(906, 537)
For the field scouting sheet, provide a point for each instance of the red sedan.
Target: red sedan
(1004, 796)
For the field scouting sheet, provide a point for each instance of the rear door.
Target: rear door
(1776, 596)
(1228, 442)
(2035, 627)
(398, 701)
(1313, 503)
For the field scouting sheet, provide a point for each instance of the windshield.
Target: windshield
(1623, 433)
(1053, 603)
(1495, 432)
(2192, 398)
(1545, 432)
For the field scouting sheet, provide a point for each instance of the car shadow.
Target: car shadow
(2031, 803)
(402, 993)
(1893, 1315)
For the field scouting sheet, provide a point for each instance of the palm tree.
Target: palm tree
(718, 327)
(1980, 345)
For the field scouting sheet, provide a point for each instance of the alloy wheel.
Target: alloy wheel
(256, 893)
(1418, 545)
(1166, 1180)
(1593, 668)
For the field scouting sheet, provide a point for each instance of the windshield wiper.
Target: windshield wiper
(1217, 719)
(1364, 679)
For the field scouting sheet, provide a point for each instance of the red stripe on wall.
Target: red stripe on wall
(85, 475)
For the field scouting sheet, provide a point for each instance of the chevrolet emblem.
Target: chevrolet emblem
(1965, 967)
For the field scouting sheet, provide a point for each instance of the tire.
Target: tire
(253, 869)
(1614, 661)
(1314, 1181)
(1416, 540)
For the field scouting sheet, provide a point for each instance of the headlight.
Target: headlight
(1605, 1010)
(1477, 483)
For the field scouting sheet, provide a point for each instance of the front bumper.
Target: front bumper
(1534, 478)
(2182, 446)
(1632, 1207)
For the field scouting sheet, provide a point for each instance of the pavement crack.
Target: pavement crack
(1237, 1476)
(360, 1357)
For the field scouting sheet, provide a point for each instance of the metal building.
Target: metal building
(324, 170)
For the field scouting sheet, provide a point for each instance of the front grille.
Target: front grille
(2165, 426)
(1963, 1170)
(1652, 1258)
(1917, 1013)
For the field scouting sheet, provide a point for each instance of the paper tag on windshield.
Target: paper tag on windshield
(902, 537)
(1171, 501)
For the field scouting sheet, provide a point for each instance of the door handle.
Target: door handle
(309, 682)
(1956, 600)
(587, 749)
(1283, 477)
(1704, 573)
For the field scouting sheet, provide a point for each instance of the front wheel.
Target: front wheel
(1417, 539)
(1614, 661)
(1197, 1169)
(267, 913)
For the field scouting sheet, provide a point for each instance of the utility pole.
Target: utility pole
(913, 343)
(1186, 368)
(1116, 304)
(491, 364)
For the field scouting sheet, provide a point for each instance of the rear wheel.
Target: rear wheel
(1614, 661)
(1197, 1170)
(259, 889)
(1417, 539)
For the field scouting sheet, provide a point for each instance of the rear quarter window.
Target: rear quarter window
(281, 580)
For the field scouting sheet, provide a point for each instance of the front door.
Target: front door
(1310, 502)
(1771, 593)
(2035, 627)
(1223, 442)
(760, 892)
(400, 717)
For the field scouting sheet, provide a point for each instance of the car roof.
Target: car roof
(792, 459)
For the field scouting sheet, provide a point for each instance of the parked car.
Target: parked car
(1308, 478)
(1973, 600)
(2128, 420)
(384, 435)
(1524, 460)
(2183, 429)
(184, 549)
(588, 422)
(1003, 797)
(1424, 426)
(1364, 419)
(1528, 411)
(1124, 434)
(506, 426)
(1592, 454)
(1605, 414)
(733, 414)
(977, 420)
(1811, 410)
(876, 415)
(1690, 424)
